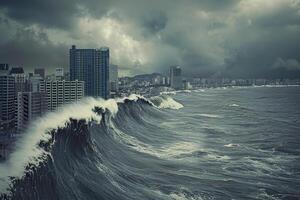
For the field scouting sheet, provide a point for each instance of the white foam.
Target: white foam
(176, 195)
(199, 90)
(170, 103)
(133, 97)
(170, 151)
(182, 196)
(184, 91)
(168, 93)
(209, 115)
(234, 105)
(231, 145)
(166, 102)
(180, 148)
(27, 150)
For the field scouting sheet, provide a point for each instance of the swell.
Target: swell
(81, 158)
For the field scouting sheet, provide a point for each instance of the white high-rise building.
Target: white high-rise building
(61, 92)
(30, 106)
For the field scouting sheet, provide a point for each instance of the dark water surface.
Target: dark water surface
(235, 143)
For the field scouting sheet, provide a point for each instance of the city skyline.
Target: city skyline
(235, 38)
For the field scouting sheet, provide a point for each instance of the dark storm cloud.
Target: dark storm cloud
(216, 4)
(52, 13)
(286, 15)
(242, 38)
(269, 38)
(155, 22)
(257, 57)
(29, 48)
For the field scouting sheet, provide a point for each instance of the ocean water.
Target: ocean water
(223, 143)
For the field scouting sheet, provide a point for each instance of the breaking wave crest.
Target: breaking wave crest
(166, 102)
(79, 152)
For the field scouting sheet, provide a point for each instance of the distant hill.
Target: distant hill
(146, 76)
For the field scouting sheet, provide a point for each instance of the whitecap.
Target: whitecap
(177, 149)
(182, 196)
(168, 93)
(165, 102)
(200, 90)
(173, 151)
(184, 91)
(209, 115)
(234, 105)
(177, 195)
(231, 145)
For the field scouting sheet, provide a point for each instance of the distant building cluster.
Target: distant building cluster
(226, 82)
(26, 96)
(145, 84)
(154, 84)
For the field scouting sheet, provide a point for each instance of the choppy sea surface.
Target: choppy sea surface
(223, 143)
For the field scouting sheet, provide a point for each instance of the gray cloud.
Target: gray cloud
(30, 48)
(289, 64)
(55, 13)
(241, 38)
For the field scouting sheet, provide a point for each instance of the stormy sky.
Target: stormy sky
(230, 38)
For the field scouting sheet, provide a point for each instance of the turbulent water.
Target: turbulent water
(235, 143)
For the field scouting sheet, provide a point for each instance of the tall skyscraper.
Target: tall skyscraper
(175, 77)
(92, 67)
(40, 71)
(104, 74)
(113, 78)
(7, 103)
(61, 92)
(31, 105)
(6, 121)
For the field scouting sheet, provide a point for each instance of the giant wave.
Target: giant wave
(82, 152)
(145, 148)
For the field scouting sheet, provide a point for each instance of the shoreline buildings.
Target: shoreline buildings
(30, 106)
(58, 89)
(7, 109)
(59, 93)
(7, 100)
(25, 97)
